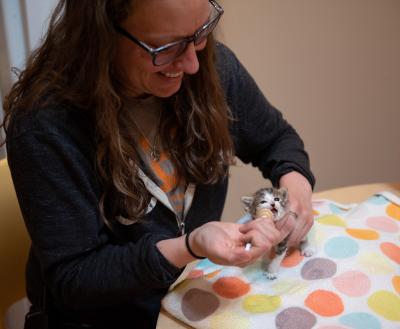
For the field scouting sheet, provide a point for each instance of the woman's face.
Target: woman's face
(156, 23)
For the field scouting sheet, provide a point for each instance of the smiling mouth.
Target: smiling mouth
(172, 74)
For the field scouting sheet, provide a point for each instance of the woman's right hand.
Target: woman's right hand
(224, 243)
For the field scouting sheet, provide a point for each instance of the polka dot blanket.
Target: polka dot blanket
(353, 281)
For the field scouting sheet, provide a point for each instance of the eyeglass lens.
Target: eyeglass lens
(169, 54)
(205, 32)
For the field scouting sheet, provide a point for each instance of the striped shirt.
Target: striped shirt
(146, 117)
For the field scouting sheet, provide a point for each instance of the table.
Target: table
(350, 194)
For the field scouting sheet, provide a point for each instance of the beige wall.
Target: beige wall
(333, 69)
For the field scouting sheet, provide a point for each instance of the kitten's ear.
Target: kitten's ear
(284, 192)
(247, 201)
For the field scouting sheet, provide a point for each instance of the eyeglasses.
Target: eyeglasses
(168, 53)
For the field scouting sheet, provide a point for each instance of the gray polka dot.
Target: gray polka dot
(198, 304)
(295, 318)
(318, 268)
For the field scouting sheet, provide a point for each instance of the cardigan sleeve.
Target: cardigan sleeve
(54, 178)
(261, 135)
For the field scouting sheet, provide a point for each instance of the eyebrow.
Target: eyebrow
(173, 38)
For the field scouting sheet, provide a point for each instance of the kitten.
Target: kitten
(273, 202)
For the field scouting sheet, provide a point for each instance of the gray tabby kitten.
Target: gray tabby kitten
(273, 202)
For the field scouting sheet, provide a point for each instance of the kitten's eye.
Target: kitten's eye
(277, 199)
(263, 201)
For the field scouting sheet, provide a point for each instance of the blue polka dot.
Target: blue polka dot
(360, 321)
(335, 209)
(206, 263)
(252, 273)
(341, 247)
(378, 200)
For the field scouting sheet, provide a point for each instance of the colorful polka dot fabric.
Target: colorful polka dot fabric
(353, 281)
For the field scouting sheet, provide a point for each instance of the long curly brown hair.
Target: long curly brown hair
(74, 65)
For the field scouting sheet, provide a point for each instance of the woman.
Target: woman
(120, 132)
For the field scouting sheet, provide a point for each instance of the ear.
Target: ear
(247, 201)
(284, 192)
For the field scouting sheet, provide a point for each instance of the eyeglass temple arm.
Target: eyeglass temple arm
(132, 38)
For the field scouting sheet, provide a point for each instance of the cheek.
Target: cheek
(133, 60)
(136, 62)
(141, 73)
(201, 45)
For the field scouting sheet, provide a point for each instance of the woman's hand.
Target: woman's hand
(300, 204)
(224, 243)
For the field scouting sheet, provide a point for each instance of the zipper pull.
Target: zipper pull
(182, 227)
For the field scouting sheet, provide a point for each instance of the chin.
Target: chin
(166, 92)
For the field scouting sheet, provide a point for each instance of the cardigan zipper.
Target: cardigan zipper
(161, 196)
(181, 225)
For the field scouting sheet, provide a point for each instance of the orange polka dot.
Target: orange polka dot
(193, 274)
(391, 250)
(231, 287)
(393, 211)
(293, 257)
(396, 283)
(315, 212)
(325, 303)
(212, 274)
(363, 234)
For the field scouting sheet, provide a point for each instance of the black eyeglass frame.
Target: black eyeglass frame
(155, 51)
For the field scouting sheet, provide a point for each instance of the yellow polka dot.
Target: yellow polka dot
(363, 234)
(375, 263)
(261, 303)
(393, 211)
(289, 287)
(331, 220)
(386, 304)
(229, 320)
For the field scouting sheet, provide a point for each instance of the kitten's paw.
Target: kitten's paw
(270, 276)
(308, 252)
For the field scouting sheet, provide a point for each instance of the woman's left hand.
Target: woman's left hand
(300, 204)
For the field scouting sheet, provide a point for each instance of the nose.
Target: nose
(188, 61)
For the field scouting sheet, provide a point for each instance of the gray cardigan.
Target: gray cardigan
(116, 279)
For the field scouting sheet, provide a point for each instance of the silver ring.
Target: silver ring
(293, 214)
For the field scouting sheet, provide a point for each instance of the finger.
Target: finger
(284, 221)
(256, 244)
(245, 264)
(261, 236)
(254, 253)
(299, 233)
(303, 234)
(257, 224)
(240, 256)
(286, 227)
(306, 228)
